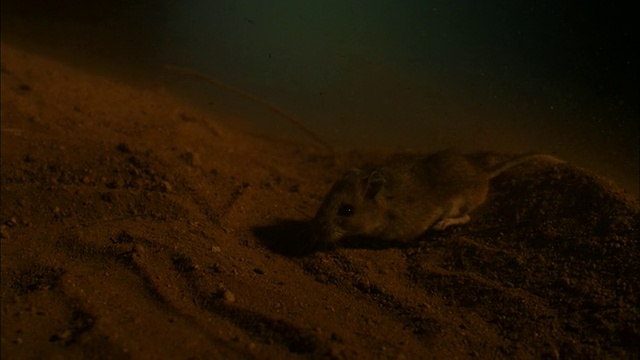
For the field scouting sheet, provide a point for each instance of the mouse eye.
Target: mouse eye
(345, 210)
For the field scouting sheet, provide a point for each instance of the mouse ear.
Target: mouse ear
(375, 182)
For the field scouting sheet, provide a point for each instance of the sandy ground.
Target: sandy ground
(136, 226)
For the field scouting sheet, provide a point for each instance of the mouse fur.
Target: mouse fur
(408, 195)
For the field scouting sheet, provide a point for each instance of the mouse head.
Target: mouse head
(353, 206)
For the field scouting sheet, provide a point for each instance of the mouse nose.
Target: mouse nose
(322, 233)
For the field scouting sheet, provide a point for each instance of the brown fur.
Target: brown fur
(407, 195)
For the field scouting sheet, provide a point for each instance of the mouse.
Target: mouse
(408, 194)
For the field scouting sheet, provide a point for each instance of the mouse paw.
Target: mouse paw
(445, 223)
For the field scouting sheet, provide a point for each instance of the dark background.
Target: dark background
(586, 43)
(505, 75)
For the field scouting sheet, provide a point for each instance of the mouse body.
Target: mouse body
(408, 195)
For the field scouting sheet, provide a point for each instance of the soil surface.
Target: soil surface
(137, 226)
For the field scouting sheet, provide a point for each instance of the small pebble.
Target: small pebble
(4, 232)
(191, 159)
(138, 249)
(65, 335)
(228, 296)
(165, 186)
(124, 148)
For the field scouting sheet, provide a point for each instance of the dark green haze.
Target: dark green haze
(522, 76)
(387, 70)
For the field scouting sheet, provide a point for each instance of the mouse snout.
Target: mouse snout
(324, 231)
